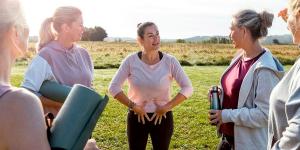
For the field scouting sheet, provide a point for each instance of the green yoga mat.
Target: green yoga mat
(77, 118)
(55, 91)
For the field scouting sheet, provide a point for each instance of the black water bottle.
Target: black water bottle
(215, 93)
(214, 99)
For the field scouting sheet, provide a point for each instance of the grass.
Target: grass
(110, 54)
(191, 130)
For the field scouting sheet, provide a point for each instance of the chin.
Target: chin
(296, 41)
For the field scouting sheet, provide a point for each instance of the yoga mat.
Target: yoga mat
(55, 91)
(77, 118)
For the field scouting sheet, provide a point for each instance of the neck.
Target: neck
(252, 50)
(65, 41)
(150, 55)
(6, 62)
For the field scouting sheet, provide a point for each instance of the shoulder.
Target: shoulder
(131, 58)
(19, 106)
(21, 114)
(20, 99)
(170, 59)
(81, 50)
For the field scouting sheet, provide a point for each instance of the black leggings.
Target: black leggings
(138, 132)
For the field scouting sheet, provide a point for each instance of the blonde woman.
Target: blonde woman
(284, 123)
(59, 57)
(247, 84)
(22, 124)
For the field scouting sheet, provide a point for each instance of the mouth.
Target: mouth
(155, 44)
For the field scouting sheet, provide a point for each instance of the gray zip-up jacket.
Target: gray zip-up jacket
(251, 116)
(284, 123)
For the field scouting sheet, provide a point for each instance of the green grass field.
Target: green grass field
(192, 130)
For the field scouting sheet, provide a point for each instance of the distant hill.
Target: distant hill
(282, 39)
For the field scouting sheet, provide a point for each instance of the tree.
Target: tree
(276, 41)
(180, 41)
(94, 34)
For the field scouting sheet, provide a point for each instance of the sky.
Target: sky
(175, 18)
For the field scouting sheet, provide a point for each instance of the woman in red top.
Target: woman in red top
(247, 84)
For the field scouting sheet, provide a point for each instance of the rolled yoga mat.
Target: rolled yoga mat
(55, 91)
(77, 118)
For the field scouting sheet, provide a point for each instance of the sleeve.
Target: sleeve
(181, 78)
(257, 116)
(91, 66)
(37, 72)
(291, 136)
(119, 78)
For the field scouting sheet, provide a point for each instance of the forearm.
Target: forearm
(121, 97)
(179, 98)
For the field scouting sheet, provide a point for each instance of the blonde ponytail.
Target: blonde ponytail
(47, 34)
(51, 26)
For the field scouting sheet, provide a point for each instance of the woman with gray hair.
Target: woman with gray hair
(247, 84)
(22, 124)
(284, 122)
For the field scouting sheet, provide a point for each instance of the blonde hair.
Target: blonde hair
(11, 14)
(51, 26)
(294, 6)
(256, 23)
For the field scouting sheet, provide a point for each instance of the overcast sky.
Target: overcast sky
(174, 18)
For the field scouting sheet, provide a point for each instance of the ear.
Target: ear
(245, 32)
(65, 28)
(140, 41)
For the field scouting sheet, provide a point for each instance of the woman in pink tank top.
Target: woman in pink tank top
(22, 124)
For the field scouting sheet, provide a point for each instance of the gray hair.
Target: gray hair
(256, 23)
(11, 14)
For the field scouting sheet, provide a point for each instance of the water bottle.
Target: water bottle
(214, 98)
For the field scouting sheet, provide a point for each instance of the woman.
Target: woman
(59, 58)
(21, 114)
(284, 123)
(150, 73)
(247, 84)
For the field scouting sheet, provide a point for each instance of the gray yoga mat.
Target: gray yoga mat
(77, 118)
(55, 91)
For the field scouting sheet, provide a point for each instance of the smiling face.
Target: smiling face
(151, 38)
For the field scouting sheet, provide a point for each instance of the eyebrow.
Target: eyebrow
(152, 33)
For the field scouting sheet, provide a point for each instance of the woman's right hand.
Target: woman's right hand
(50, 105)
(139, 110)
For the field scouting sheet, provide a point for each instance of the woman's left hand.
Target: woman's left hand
(160, 112)
(215, 117)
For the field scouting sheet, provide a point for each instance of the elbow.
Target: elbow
(187, 91)
(113, 90)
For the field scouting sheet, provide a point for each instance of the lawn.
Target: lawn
(192, 130)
